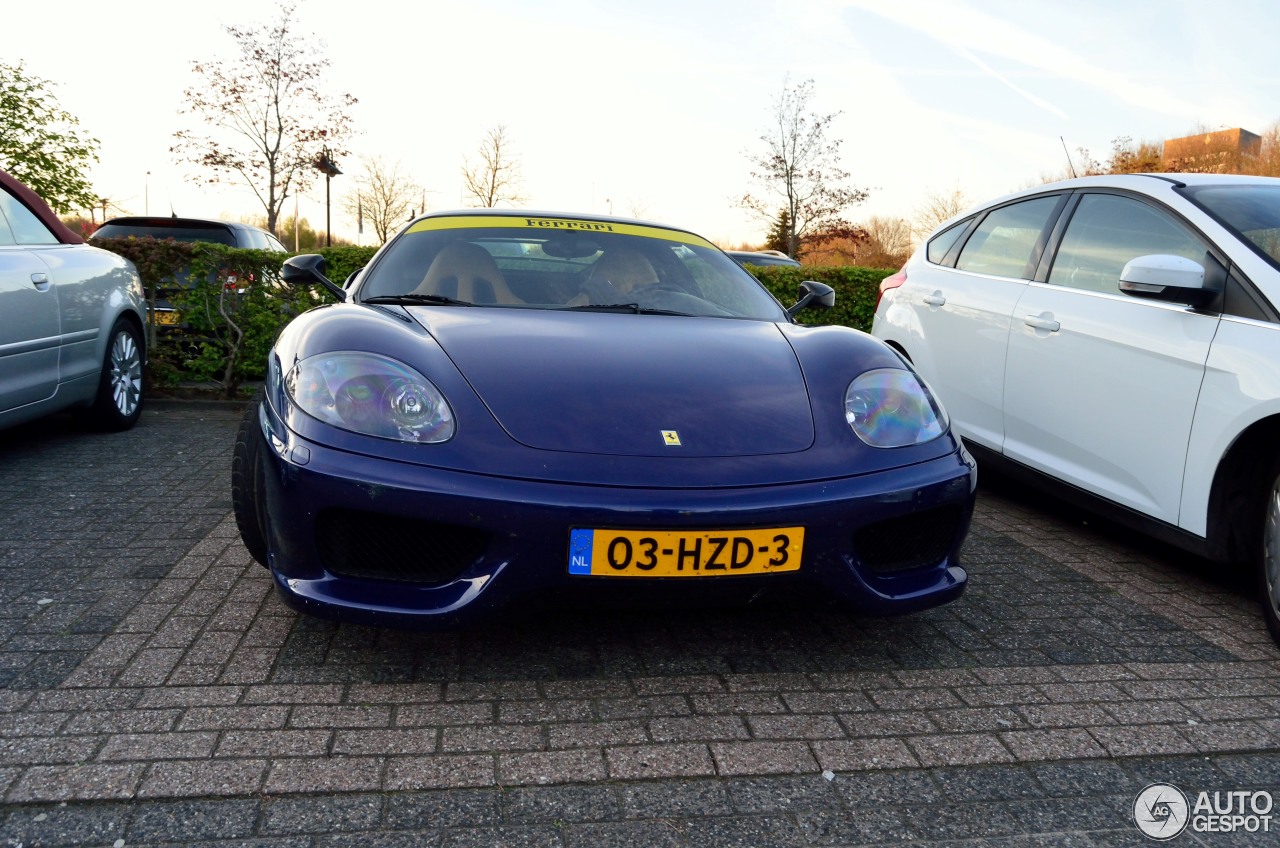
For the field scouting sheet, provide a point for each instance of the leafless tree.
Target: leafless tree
(887, 243)
(1266, 161)
(800, 169)
(495, 178)
(265, 119)
(938, 206)
(382, 198)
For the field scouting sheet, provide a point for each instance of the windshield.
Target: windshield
(1252, 212)
(554, 263)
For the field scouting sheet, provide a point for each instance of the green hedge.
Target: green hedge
(855, 291)
(229, 330)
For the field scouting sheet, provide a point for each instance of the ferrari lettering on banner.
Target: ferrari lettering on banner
(497, 222)
(592, 226)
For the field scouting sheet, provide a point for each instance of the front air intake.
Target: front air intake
(407, 550)
(908, 541)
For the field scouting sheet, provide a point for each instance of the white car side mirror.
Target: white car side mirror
(1165, 277)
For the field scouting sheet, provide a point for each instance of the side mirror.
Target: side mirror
(814, 295)
(308, 270)
(1174, 279)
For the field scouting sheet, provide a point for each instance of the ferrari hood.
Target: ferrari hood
(630, 385)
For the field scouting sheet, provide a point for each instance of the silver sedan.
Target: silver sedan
(71, 319)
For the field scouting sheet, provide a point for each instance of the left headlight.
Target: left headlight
(371, 394)
(890, 408)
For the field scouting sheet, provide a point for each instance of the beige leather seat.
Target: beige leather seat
(626, 269)
(467, 272)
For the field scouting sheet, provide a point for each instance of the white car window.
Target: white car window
(941, 243)
(1107, 231)
(1004, 241)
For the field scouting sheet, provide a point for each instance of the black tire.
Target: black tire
(248, 489)
(1268, 565)
(118, 403)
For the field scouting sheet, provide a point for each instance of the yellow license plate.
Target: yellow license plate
(166, 317)
(698, 553)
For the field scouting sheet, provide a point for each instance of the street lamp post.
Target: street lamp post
(146, 195)
(327, 167)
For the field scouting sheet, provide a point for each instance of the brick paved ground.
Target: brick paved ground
(156, 692)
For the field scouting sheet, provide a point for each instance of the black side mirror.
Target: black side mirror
(308, 270)
(814, 295)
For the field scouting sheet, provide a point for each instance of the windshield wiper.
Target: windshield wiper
(403, 299)
(626, 307)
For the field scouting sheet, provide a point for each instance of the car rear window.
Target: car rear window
(216, 235)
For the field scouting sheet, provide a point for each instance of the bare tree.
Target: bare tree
(938, 206)
(887, 243)
(382, 198)
(496, 177)
(266, 120)
(801, 167)
(1266, 161)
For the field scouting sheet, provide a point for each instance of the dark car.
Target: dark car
(229, 233)
(512, 408)
(70, 320)
(762, 257)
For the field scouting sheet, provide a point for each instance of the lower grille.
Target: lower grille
(383, 547)
(908, 541)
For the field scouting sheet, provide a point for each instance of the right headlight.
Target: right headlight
(371, 394)
(890, 408)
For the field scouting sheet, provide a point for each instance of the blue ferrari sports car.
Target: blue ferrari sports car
(509, 409)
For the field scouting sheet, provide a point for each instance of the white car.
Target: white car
(1120, 335)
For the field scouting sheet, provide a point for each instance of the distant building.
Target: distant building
(1218, 152)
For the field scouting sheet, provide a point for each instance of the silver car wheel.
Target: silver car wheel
(1271, 551)
(126, 373)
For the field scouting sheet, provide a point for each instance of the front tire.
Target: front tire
(118, 404)
(248, 489)
(1269, 560)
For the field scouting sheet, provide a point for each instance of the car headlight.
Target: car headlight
(890, 408)
(370, 394)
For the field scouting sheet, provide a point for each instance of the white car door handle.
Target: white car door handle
(1042, 322)
(935, 299)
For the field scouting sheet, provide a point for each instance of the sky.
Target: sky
(655, 109)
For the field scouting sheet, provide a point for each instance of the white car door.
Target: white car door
(956, 320)
(1100, 387)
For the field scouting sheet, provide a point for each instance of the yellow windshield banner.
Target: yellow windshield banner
(549, 226)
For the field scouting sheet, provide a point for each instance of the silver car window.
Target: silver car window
(22, 227)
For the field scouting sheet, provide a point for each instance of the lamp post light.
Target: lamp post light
(146, 195)
(326, 166)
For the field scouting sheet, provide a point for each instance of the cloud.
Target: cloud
(970, 32)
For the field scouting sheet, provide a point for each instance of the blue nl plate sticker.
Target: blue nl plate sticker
(580, 544)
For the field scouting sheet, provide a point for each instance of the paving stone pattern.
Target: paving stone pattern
(154, 690)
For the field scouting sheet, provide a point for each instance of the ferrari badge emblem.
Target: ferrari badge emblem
(671, 438)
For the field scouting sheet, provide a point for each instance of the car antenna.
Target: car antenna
(1064, 150)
